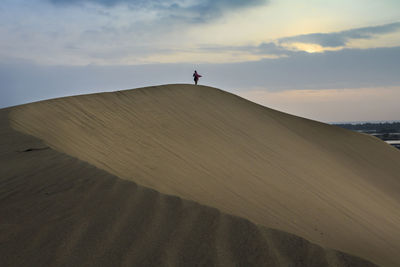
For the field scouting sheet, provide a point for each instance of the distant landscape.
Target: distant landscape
(386, 131)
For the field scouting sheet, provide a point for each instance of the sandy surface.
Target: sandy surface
(336, 188)
(56, 210)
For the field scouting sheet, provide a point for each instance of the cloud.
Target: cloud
(187, 10)
(310, 43)
(270, 48)
(264, 50)
(100, 2)
(337, 39)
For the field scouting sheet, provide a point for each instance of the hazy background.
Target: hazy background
(325, 60)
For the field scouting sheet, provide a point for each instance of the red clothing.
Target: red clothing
(196, 75)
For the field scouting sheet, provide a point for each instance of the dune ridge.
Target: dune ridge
(56, 210)
(336, 188)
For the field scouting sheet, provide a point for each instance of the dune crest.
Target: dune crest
(336, 188)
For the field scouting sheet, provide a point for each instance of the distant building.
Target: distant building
(386, 131)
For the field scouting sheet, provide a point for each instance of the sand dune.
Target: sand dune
(336, 188)
(56, 210)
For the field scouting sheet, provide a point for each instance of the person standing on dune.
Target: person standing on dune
(196, 77)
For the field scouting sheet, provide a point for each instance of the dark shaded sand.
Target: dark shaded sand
(336, 188)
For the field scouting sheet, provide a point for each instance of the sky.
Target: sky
(327, 60)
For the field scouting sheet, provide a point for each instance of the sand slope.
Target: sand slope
(331, 186)
(56, 210)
